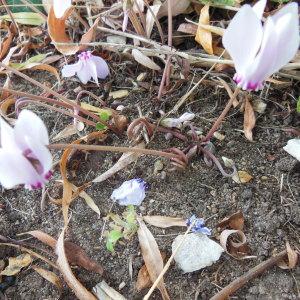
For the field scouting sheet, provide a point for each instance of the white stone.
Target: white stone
(196, 252)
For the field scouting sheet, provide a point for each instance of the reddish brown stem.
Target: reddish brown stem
(253, 273)
(113, 149)
(222, 116)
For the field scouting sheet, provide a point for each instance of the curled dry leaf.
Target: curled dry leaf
(104, 292)
(203, 36)
(119, 94)
(242, 177)
(292, 257)
(165, 222)
(143, 279)
(234, 242)
(80, 291)
(75, 254)
(188, 28)
(125, 160)
(144, 60)
(152, 257)
(15, 264)
(48, 275)
(249, 120)
(234, 221)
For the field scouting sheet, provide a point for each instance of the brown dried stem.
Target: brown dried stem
(113, 149)
(222, 116)
(252, 273)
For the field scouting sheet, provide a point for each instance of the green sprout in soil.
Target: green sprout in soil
(124, 226)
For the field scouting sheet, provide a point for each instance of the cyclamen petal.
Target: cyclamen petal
(258, 51)
(88, 67)
(293, 148)
(60, 7)
(15, 169)
(24, 157)
(131, 192)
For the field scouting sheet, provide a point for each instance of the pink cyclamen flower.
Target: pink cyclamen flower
(60, 7)
(89, 66)
(24, 157)
(259, 50)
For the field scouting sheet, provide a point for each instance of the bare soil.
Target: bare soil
(270, 202)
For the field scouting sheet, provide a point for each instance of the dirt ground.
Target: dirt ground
(270, 202)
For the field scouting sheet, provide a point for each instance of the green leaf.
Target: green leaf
(34, 59)
(112, 238)
(100, 126)
(19, 6)
(26, 18)
(104, 115)
(298, 105)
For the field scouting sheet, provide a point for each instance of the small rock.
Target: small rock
(196, 252)
(158, 166)
(246, 194)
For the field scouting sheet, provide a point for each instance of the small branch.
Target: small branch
(222, 116)
(252, 273)
(113, 149)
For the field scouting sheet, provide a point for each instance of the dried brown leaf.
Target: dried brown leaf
(188, 28)
(292, 258)
(80, 291)
(144, 60)
(178, 7)
(150, 17)
(75, 254)
(152, 257)
(15, 264)
(249, 120)
(203, 36)
(143, 279)
(125, 160)
(234, 221)
(48, 275)
(104, 292)
(6, 42)
(234, 243)
(242, 177)
(164, 222)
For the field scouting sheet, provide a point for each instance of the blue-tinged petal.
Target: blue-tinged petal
(205, 231)
(242, 38)
(15, 169)
(90, 64)
(293, 148)
(101, 67)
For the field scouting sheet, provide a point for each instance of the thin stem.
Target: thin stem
(252, 273)
(222, 116)
(10, 15)
(113, 149)
(27, 3)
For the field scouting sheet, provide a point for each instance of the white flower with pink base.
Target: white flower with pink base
(24, 157)
(259, 50)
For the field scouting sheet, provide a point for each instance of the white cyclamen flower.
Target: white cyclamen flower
(293, 148)
(88, 66)
(24, 157)
(131, 192)
(60, 7)
(177, 122)
(259, 50)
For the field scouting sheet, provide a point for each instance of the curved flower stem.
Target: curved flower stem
(113, 149)
(222, 116)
